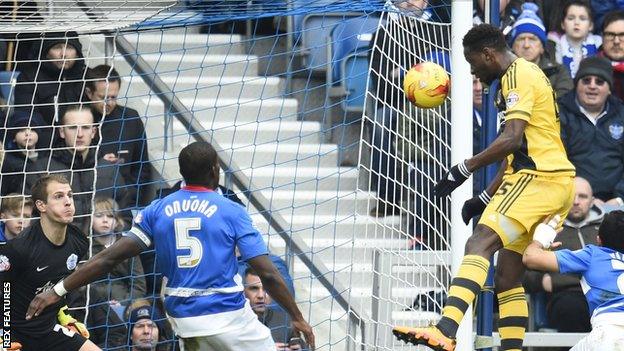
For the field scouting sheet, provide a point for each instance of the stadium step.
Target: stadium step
(354, 227)
(189, 43)
(230, 110)
(302, 178)
(187, 87)
(195, 65)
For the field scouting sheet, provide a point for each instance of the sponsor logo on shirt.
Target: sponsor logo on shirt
(72, 261)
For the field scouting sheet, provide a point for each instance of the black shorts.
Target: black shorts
(58, 339)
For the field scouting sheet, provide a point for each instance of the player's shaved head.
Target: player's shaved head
(199, 164)
(611, 231)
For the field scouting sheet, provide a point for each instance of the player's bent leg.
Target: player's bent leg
(464, 288)
(511, 299)
(89, 346)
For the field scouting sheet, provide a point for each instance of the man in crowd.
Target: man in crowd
(567, 307)
(145, 331)
(76, 159)
(276, 320)
(592, 130)
(528, 38)
(123, 133)
(613, 48)
(43, 254)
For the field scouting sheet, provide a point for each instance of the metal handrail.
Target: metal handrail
(259, 201)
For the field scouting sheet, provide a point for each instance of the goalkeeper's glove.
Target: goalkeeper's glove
(475, 206)
(71, 323)
(452, 179)
(15, 346)
(546, 232)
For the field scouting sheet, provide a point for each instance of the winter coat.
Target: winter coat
(125, 282)
(597, 151)
(123, 129)
(558, 75)
(41, 85)
(13, 168)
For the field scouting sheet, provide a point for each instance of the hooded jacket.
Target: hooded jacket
(597, 151)
(557, 74)
(574, 236)
(41, 85)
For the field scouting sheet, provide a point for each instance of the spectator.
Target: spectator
(567, 308)
(126, 281)
(148, 327)
(76, 159)
(53, 77)
(592, 130)
(285, 338)
(20, 152)
(106, 328)
(509, 11)
(15, 213)
(122, 130)
(528, 39)
(602, 8)
(613, 48)
(576, 42)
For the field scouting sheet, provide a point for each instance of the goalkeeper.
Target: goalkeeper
(40, 256)
(535, 180)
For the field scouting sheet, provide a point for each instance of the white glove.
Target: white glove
(545, 233)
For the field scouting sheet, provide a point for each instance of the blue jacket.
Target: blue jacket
(597, 151)
(600, 9)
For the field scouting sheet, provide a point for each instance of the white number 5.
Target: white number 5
(184, 241)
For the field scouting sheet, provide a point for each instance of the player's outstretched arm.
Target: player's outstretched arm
(505, 144)
(97, 266)
(274, 284)
(535, 256)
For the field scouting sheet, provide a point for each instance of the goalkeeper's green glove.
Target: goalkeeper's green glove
(15, 346)
(71, 323)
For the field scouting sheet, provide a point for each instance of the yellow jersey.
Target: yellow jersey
(526, 94)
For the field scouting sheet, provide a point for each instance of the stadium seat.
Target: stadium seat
(537, 306)
(315, 29)
(7, 85)
(348, 71)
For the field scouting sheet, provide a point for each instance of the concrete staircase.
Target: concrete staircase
(286, 159)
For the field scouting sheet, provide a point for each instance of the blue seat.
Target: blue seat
(7, 85)
(313, 30)
(348, 72)
(538, 303)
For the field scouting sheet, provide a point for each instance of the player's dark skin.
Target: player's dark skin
(126, 247)
(488, 65)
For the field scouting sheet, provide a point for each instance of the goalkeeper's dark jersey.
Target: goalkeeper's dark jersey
(32, 264)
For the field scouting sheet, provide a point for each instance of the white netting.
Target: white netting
(409, 149)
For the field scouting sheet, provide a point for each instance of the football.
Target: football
(426, 85)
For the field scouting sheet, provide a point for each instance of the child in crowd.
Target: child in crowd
(15, 213)
(20, 153)
(576, 42)
(127, 280)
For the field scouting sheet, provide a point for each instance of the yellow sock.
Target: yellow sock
(514, 314)
(464, 288)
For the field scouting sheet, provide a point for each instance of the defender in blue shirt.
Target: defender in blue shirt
(194, 233)
(602, 277)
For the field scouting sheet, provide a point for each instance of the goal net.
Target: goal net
(303, 102)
